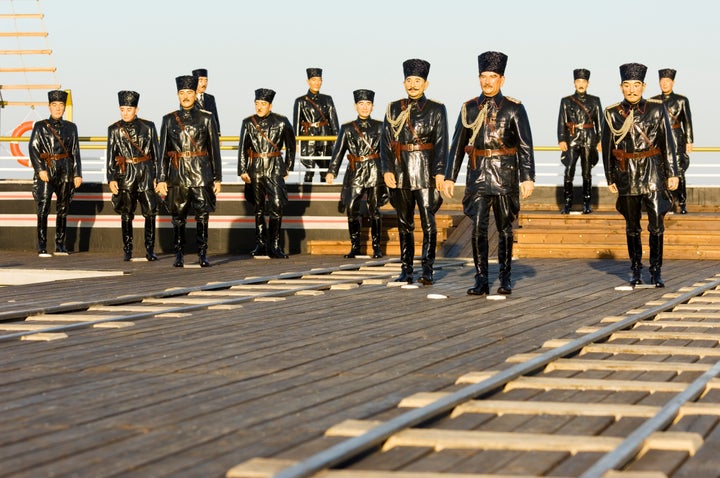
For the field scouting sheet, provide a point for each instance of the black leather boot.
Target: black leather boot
(274, 229)
(354, 229)
(260, 237)
(634, 242)
(201, 238)
(567, 198)
(407, 256)
(505, 247)
(428, 258)
(587, 195)
(656, 257)
(682, 195)
(60, 233)
(42, 236)
(179, 241)
(127, 236)
(480, 259)
(375, 232)
(150, 238)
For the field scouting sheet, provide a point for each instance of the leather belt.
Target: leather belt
(53, 157)
(573, 126)
(317, 124)
(122, 161)
(272, 154)
(473, 153)
(176, 155)
(49, 158)
(622, 156)
(675, 126)
(356, 159)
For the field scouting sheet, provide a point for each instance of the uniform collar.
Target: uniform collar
(492, 100)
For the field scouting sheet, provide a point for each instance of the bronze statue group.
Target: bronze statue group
(408, 159)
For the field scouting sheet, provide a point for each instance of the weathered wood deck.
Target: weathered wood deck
(193, 396)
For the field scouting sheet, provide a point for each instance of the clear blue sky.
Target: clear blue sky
(101, 47)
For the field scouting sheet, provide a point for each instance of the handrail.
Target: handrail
(102, 140)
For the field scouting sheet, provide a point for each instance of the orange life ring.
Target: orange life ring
(21, 129)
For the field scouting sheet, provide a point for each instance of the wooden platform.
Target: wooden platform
(196, 395)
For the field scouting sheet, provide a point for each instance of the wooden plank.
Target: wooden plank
(574, 383)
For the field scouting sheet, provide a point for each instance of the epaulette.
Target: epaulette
(474, 100)
(654, 100)
(514, 100)
(613, 106)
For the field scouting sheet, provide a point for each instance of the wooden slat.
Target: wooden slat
(23, 34)
(495, 440)
(25, 52)
(28, 69)
(503, 407)
(574, 383)
(29, 86)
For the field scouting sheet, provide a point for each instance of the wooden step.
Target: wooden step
(602, 235)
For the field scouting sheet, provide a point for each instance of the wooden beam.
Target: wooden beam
(23, 34)
(28, 69)
(29, 87)
(22, 15)
(25, 52)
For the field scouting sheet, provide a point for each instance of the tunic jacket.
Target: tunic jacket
(426, 125)
(505, 127)
(580, 121)
(359, 174)
(192, 136)
(125, 141)
(54, 147)
(274, 133)
(678, 109)
(643, 172)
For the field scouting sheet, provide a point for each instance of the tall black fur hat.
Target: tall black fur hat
(364, 95)
(264, 94)
(493, 61)
(633, 72)
(667, 73)
(581, 74)
(57, 95)
(200, 72)
(128, 98)
(313, 72)
(416, 67)
(186, 82)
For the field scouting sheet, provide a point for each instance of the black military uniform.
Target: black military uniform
(206, 101)
(678, 108)
(132, 152)
(495, 134)
(314, 114)
(360, 139)
(54, 150)
(639, 156)
(260, 157)
(579, 126)
(189, 162)
(413, 148)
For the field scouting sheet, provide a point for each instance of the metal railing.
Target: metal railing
(704, 163)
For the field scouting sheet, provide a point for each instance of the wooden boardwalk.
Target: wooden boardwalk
(195, 395)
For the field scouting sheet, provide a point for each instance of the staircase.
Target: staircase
(601, 235)
(446, 221)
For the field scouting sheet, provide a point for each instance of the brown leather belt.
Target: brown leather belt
(176, 155)
(53, 157)
(473, 152)
(307, 125)
(622, 156)
(414, 147)
(675, 126)
(356, 159)
(122, 161)
(272, 154)
(49, 158)
(573, 126)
